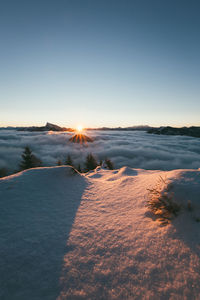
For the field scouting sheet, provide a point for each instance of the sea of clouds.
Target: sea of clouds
(136, 149)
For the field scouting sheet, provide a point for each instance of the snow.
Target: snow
(66, 235)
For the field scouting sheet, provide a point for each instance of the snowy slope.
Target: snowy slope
(38, 208)
(91, 236)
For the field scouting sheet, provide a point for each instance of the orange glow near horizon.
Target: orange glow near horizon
(79, 128)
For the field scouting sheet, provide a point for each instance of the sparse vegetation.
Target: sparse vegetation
(79, 168)
(109, 164)
(69, 161)
(161, 202)
(3, 172)
(29, 160)
(90, 163)
(59, 162)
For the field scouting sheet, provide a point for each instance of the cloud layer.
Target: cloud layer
(134, 149)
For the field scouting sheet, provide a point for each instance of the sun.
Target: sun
(79, 128)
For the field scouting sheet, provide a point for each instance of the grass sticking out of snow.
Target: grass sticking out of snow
(161, 203)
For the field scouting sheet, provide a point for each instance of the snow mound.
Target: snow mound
(185, 188)
(126, 171)
(42, 172)
(111, 175)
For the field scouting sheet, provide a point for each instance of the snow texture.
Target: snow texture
(90, 236)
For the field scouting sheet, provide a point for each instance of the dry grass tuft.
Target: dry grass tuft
(161, 203)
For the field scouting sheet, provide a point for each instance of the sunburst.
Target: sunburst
(79, 128)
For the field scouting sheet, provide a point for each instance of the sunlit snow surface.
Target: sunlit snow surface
(135, 149)
(72, 236)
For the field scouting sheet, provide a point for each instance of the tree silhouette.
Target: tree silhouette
(3, 172)
(69, 161)
(29, 160)
(79, 168)
(90, 163)
(109, 164)
(59, 162)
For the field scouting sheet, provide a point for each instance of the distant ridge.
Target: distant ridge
(138, 127)
(193, 131)
(47, 127)
(54, 127)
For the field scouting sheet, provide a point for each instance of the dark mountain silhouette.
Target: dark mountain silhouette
(131, 128)
(47, 127)
(168, 130)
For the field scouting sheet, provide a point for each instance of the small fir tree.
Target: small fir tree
(59, 162)
(29, 160)
(109, 164)
(69, 161)
(3, 172)
(90, 163)
(79, 168)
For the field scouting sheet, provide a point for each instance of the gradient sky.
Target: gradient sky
(100, 63)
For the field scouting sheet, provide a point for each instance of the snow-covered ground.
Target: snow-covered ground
(91, 236)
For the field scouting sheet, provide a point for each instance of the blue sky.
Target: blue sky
(100, 63)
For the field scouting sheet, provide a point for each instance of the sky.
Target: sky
(99, 63)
